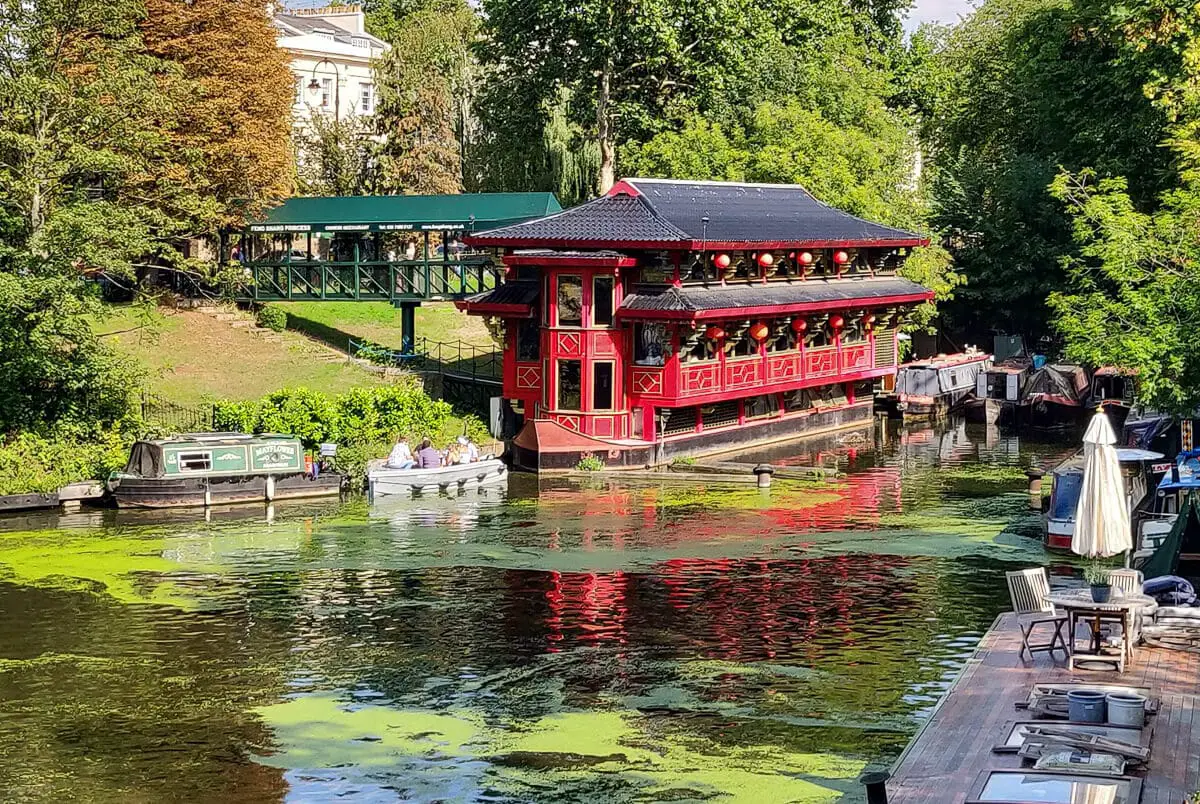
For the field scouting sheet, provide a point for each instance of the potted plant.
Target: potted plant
(1097, 578)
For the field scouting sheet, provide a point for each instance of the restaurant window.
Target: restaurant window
(570, 301)
(529, 337)
(745, 345)
(762, 406)
(602, 386)
(569, 390)
(651, 344)
(602, 301)
(195, 461)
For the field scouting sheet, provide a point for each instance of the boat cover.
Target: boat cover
(1061, 384)
(1186, 529)
(145, 460)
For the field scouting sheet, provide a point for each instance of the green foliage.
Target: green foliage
(335, 157)
(1018, 90)
(272, 318)
(589, 463)
(53, 368)
(1096, 574)
(32, 463)
(684, 461)
(1135, 294)
(364, 422)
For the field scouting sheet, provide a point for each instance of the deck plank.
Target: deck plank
(950, 750)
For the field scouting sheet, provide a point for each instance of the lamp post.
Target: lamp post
(314, 86)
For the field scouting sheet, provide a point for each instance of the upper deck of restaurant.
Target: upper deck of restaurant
(944, 759)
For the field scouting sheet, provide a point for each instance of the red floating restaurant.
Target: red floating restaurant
(670, 318)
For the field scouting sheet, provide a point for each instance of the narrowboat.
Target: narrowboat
(1053, 398)
(930, 388)
(206, 469)
(383, 481)
(1116, 389)
(997, 392)
(1140, 470)
(1165, 544)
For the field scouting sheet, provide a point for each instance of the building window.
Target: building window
(358, 41)
(570, 394)
(570, 301)
(602, 301)
(651, 344)
(299, 90)
(366, 94)
(529, 336)
(195, 461)
(602, 386)
(765, 405)
(326, 92)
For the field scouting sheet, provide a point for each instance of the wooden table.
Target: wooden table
(1126, 610)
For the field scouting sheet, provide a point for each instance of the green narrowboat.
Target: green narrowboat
(206, 469)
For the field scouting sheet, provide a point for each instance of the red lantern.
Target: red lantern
(806, 258)
(841, 258)
(759, 331)
(722, 260)
(766, 259)
(799, 325)
(714, 333)
(869, 320)
(836, 321)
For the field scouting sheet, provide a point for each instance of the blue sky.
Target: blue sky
(943, 11)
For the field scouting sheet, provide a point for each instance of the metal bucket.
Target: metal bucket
(1086, 706)
(1126, 709)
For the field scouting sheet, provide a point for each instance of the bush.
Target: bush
(589, 463)
(271, 318)
(363, 422)
(32, 463)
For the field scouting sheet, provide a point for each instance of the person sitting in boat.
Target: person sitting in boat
(468, 450)
(401, 456)
(427, 456)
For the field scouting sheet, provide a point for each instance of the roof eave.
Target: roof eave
(734, 245)
(777, 309)
(562, 245)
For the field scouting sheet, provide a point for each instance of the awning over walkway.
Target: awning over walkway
(467, 212)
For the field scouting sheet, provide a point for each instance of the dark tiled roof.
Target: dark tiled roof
(508, 293)
(316, 25)
(812, 291)
(642, 213)
(608, 219)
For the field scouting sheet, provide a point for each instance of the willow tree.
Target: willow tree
(424, 88)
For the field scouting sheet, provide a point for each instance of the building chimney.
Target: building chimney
(349, 18)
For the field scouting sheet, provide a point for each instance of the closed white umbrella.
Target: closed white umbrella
(1102, 517)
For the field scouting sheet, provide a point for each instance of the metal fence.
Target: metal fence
(164, 415)
(457, 359)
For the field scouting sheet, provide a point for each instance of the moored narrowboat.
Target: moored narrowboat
(206, 469)
(1053, 397)
(997, 392)
(1139, 469)
(1116, 389)
(930, 388)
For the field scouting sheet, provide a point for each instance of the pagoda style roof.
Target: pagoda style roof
(698, 215)
(771, 298)
(509, 298)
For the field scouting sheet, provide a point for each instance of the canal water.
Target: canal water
(597, 640)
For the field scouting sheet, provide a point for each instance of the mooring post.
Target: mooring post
(876, 784)
(763, 472)
(1035, 476)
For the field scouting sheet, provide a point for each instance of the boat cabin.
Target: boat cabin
(1113, 385)
(930, 387)
(216, 454)
(671, 317)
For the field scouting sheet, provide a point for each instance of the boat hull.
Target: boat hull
(384, 482)
(201, 492)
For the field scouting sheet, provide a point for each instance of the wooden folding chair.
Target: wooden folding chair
(1028, 589)
(1129, 581)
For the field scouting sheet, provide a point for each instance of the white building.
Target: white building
(331, 60)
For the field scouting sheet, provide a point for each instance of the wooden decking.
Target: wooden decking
(955, 745)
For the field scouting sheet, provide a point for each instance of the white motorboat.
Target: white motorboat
(383, 481)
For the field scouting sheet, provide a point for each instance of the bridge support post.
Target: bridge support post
(408, 327)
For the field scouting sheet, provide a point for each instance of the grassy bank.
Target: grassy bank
(190, 357)
(336, 323)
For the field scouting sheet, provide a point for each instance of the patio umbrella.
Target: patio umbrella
(1102, 516)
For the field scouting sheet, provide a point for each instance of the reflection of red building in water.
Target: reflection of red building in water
(671, 317)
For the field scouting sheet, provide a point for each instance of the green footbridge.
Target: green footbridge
(402, 249)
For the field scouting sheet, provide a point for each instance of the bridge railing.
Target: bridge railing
(370, 280)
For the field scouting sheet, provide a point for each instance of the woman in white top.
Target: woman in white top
(401, 456)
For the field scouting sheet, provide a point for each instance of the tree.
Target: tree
(1037, 84)
(336, 157)
(230, 120)
(1135, 300)
(424, 91)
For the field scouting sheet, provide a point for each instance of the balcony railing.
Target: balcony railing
(401, 280)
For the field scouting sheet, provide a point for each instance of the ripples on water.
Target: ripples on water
(610, 641)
